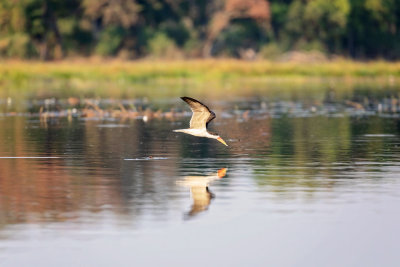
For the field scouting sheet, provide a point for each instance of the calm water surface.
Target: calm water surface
(302, 183)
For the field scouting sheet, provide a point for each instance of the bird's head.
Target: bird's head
(216, 136)
(221, 140)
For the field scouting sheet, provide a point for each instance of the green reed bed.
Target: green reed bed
(139, 71)
(122, 79)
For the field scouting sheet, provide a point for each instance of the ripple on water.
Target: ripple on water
(379, 135)
(148, 158)
(113, 126)
(29, 157)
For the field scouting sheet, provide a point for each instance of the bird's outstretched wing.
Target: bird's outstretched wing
(202, 115)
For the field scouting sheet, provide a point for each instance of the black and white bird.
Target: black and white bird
(201, 117)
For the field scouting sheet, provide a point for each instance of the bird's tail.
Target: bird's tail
(179, 130)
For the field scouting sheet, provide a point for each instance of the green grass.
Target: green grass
(122, 79)
(201, 70)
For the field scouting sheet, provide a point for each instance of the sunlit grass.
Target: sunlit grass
(132, 79)
(142, 71)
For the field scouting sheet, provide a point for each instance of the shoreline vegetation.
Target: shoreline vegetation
(202, 70)
(24, 85)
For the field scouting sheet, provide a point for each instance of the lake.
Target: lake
(311, 177)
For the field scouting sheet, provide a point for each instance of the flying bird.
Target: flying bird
(201, 117)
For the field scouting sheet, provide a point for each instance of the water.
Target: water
(302, 183)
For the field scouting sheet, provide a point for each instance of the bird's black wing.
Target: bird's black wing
(211, 117)
(202, 115)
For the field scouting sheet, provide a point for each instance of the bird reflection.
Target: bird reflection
(200, 192)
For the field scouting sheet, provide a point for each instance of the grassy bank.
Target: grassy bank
(200, 70)
(163, 79)
(23, 82)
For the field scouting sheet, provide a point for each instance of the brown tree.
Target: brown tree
(235, 9)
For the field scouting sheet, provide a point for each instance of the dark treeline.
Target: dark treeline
(129, 29)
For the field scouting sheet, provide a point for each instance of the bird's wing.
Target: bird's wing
(202, 115)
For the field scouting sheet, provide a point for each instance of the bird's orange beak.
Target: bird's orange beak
(221, 140)
(222, 172)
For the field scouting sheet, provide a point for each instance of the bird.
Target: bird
(201, 117)
(199, 190)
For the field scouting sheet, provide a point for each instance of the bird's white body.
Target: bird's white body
(197, 132)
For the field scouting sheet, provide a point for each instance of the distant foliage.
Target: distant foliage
(122, 13)
(271, 51)
(110, 41)
(161, 46)
(255, 9)
(52, 29)
(17, 45)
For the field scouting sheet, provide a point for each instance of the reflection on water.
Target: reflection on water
(199, 190)
(298, 177)
(67, 166)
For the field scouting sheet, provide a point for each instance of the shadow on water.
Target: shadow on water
(199, 191)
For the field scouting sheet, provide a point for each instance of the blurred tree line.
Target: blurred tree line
(129, 29)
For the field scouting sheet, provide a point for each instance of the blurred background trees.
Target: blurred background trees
(130, 29)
